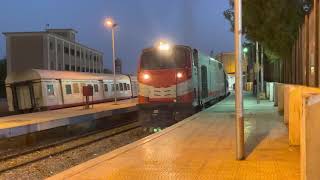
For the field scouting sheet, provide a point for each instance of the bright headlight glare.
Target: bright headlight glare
(146, 76)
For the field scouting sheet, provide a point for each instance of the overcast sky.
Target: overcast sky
(199, 23)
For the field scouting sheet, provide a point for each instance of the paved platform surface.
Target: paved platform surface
(16, 125)
(203, 147)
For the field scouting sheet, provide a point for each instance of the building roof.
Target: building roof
(63, 29)
(37, 74)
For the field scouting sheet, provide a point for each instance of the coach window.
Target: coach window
(76, 88)
(68, 89)
(125, 86)
(112, 87)
(128, 86)
(121, 87)
(106, 87)
(96, 88)
(50, 90)
(81, 87)
(117, 87)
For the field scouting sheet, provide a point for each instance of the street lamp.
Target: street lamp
(110, 23)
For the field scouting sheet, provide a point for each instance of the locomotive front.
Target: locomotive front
(165, 80)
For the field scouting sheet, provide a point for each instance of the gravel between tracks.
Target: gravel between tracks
(55, 164)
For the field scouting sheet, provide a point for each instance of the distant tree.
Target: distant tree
(272, 23)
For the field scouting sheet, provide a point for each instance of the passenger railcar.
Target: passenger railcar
(43, 89)
(179, 79)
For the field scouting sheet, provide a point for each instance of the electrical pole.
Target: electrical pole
(238, 94)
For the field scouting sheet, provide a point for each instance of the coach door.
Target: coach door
(24, 97)
(204, 82)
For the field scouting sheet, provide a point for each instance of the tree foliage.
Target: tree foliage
(272, 23)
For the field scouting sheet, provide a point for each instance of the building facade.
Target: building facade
(53, 49)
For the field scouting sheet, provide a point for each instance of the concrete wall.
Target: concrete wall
(25, 52)
(280, 90)
(310, 142)
(295, 110)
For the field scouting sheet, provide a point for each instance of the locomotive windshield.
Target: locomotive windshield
(153, 60)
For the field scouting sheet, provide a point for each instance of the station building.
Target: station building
(52, 49)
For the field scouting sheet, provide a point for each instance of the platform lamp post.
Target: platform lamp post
(239, 84)
(110, 23)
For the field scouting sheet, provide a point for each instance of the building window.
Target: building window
(78, 53)
(59, 48)
(106, 87)
(75, 87)
(72, 52)
(51, 45)
(66, 50)
(83, 69)
(81, 54)
(50, 90)
(78, 69)
(73, 68)
(86, 55)
(96, 88)
(68, 89)
(66, 67)
(94, 58)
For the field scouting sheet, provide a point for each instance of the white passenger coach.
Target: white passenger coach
(44, 89)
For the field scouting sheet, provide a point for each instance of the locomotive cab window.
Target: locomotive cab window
(96, 88)
(152, 59)
(50, 90)
(68, 89)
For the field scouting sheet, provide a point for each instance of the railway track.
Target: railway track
(12, 161)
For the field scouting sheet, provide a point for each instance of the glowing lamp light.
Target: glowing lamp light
(179, 75)
(164, 46)
(109, 23)
(146, 76)
(245, 50)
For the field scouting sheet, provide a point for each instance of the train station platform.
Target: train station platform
(22, 124)
(203, 147)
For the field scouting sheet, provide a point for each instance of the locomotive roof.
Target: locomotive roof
(151, 48)
(37, 74)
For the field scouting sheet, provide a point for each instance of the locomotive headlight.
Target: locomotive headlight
(179, 75)
(164, 46)
(146, 76)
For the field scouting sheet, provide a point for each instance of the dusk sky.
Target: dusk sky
(199, 23)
